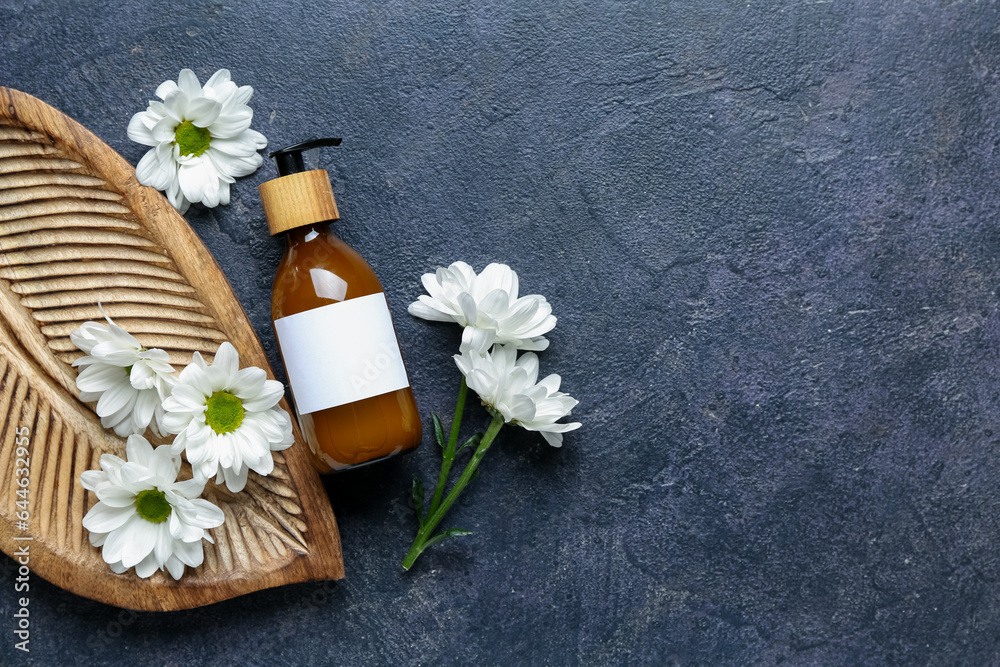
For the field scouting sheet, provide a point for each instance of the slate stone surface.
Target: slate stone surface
(770, 233)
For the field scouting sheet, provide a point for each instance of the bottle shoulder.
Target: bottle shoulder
(317, 271)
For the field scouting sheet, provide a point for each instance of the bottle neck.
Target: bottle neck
(306, 233)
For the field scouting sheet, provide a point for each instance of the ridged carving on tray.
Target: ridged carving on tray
(76, 229)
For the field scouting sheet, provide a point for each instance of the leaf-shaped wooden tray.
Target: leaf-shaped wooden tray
(77, 228)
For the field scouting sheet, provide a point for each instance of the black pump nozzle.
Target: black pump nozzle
(289, 159)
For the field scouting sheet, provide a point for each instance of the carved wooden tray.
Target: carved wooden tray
(77, 228)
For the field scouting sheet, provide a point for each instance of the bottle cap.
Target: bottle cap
(298, 197)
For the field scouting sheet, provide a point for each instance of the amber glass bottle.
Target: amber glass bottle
(350, 389)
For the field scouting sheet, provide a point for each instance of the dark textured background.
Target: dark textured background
(770, 233)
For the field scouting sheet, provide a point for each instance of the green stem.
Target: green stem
(449, 452)
(434, 518)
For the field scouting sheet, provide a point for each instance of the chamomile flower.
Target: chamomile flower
(227, 419)
(508, 385)
(128, 381)
(487, 301)
(200, 137)
(144, 517)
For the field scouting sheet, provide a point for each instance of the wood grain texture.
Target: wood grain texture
(77, 228)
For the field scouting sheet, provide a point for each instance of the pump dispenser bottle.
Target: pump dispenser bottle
(332, 322)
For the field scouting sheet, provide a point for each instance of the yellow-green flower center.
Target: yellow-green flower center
(191, 139)
(152, 505)
(223, 412)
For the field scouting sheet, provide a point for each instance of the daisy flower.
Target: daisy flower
(487, 301)
(200, 137)
(145, 518)
(128, 381)
(227, 420)
(508, 385)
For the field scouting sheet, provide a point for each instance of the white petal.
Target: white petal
(243, 145)
(202, 111)
(111, 465)
(551, 383)
(522, 408)
(163, 546)
(91, 479)
(164, 465)
(235, 481)
(217, 80)
(421, 309)
(233, 167)
(521, 313)
(227, 359)
(154, 172)
(226, 446)
(117, 540)
(476, 341)
(494, 303)
(115, 496)
(260, 141)
(463, 274)
(165, 89)
(266, 398)
(468, 305)
(163, 134)
(139, 132)
(229, 125)
(175, 567)
(207, 515)
(248, 382)
(534, 344)
(561, 428)
(187, 82)
(116, 398)
(189, 396)
(189, 553)
(177, 198)
(100, 376)
(223, 193)
(264, 465)
(146, 567)
(140, 543)
(138, 450)
(528, 362)
(554, 439)
(103, 518)
(493, 277)
(195, 178)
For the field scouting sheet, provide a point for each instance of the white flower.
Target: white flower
(488, 301)
(128, 381)
(507, 385)
(145, 518)
(226, 419)
(201, 139)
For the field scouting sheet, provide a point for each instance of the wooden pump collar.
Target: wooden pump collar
(298, 199)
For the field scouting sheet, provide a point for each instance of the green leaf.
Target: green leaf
(438, 432)
(473, 442)
(418, 499)
(442, 536)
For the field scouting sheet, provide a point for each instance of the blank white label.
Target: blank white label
(341, 353)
